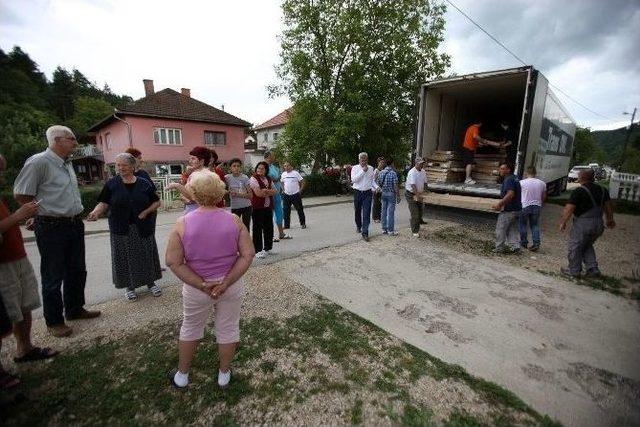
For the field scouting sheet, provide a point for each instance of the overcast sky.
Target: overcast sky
(225, 50)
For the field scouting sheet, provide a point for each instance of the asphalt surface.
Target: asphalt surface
(327, 226)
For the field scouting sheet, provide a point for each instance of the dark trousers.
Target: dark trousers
(245, 215)
(415, 210)
(362, 207)
(287, 201)
(377, 206)
(530, 218)
(262, 229)
(61, 247)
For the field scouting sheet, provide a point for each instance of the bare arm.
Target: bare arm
(303, 184)
(567, 212)
(23, 199)
(608, 213)
(25, 211)
(505, 200)
(97, 211)
(243, 262)
(152, 208)
(174, 259)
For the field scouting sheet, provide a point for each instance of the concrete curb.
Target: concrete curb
(30, 239)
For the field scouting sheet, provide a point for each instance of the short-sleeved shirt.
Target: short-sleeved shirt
(105, 197)
(511, 183)
(417, 178)
(470, 142)
(580, 198)
(253, 182)
(11, 246)
(291, 182)
(532, 192)
(388, 180)
(52, 181)
(238, 184)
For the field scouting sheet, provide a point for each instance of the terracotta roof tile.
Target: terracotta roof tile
(170, 104)
(279, 120)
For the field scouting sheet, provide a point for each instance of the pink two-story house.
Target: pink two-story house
(165, 126)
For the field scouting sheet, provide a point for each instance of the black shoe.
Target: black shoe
(358, 231)
(84, 314)
(365, 237)
(534, 248)
(423, 222)
(593, 274)
(303, 226)
(566, 273)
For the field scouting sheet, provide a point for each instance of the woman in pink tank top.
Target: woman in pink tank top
(209, 249)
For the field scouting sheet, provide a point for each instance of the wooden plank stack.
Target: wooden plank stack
(444, 166)
(487, 165)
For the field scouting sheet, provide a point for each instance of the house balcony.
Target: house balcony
(84, 151)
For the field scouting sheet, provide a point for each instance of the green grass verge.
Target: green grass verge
(620, 287)
(124, 382)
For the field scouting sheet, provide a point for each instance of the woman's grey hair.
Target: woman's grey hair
(127, 158)
(363, 155)
(57, 131)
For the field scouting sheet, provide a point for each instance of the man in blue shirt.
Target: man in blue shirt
(509, 206)
(387, 179)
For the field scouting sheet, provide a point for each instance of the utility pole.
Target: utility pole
(626, 141)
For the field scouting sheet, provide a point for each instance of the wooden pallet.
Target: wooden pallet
(458, 201)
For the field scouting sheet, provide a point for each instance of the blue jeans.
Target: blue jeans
(362, 205)
(61, 247)
(530, 217)
(388, 211)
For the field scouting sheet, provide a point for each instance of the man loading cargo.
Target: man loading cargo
(473, 140)
(509, 139)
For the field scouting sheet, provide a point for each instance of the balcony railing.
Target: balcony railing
(87, 151)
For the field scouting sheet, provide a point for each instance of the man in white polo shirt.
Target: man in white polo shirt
(414, 186)
(293, 184)
(533, 193)
(362, 184)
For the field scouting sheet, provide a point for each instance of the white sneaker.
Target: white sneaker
(261, 254)
(416, 235)
(224, 378)
(469, 181)
(393, 233)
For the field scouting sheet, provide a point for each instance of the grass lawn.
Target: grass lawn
(323, 366)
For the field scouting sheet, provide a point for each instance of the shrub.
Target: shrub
(321, 185)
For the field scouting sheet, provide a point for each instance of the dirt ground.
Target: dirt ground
(618, 250)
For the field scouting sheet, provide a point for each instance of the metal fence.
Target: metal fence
(625, 186)
(170, 199)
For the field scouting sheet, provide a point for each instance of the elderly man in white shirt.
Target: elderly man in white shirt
(414, 187)
(362, 184)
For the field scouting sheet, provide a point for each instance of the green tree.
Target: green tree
(19, 142)
(62, 94)
(352, 69)
(586, 149)
(87, 112)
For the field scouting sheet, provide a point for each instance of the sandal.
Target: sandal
(8, 381)
(156, 291)
(131, 295)
(36, 353)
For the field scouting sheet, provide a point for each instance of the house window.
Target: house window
(275, 136)
(265, 137)
(215, 138)
(168, 169)
(107, 139)
(167, 136)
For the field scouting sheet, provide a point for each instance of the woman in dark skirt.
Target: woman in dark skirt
(132, 203)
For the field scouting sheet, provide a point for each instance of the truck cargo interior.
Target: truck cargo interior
(450, 107)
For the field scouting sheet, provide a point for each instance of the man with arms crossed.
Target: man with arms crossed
(363, 184)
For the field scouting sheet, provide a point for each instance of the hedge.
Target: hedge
(88, 194)
(321, 185)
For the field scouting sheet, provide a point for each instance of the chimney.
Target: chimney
(148, 87)
(186, 92)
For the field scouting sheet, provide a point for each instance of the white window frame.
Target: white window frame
(213, 133)
(167, 136)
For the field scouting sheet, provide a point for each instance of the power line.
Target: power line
(522, 62)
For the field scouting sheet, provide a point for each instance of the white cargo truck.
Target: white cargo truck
(543, 129)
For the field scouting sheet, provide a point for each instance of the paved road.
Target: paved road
(326, 226)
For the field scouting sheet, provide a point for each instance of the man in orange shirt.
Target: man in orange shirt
(473, 140)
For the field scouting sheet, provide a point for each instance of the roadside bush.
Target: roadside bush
(88, 194)
(321, 185)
